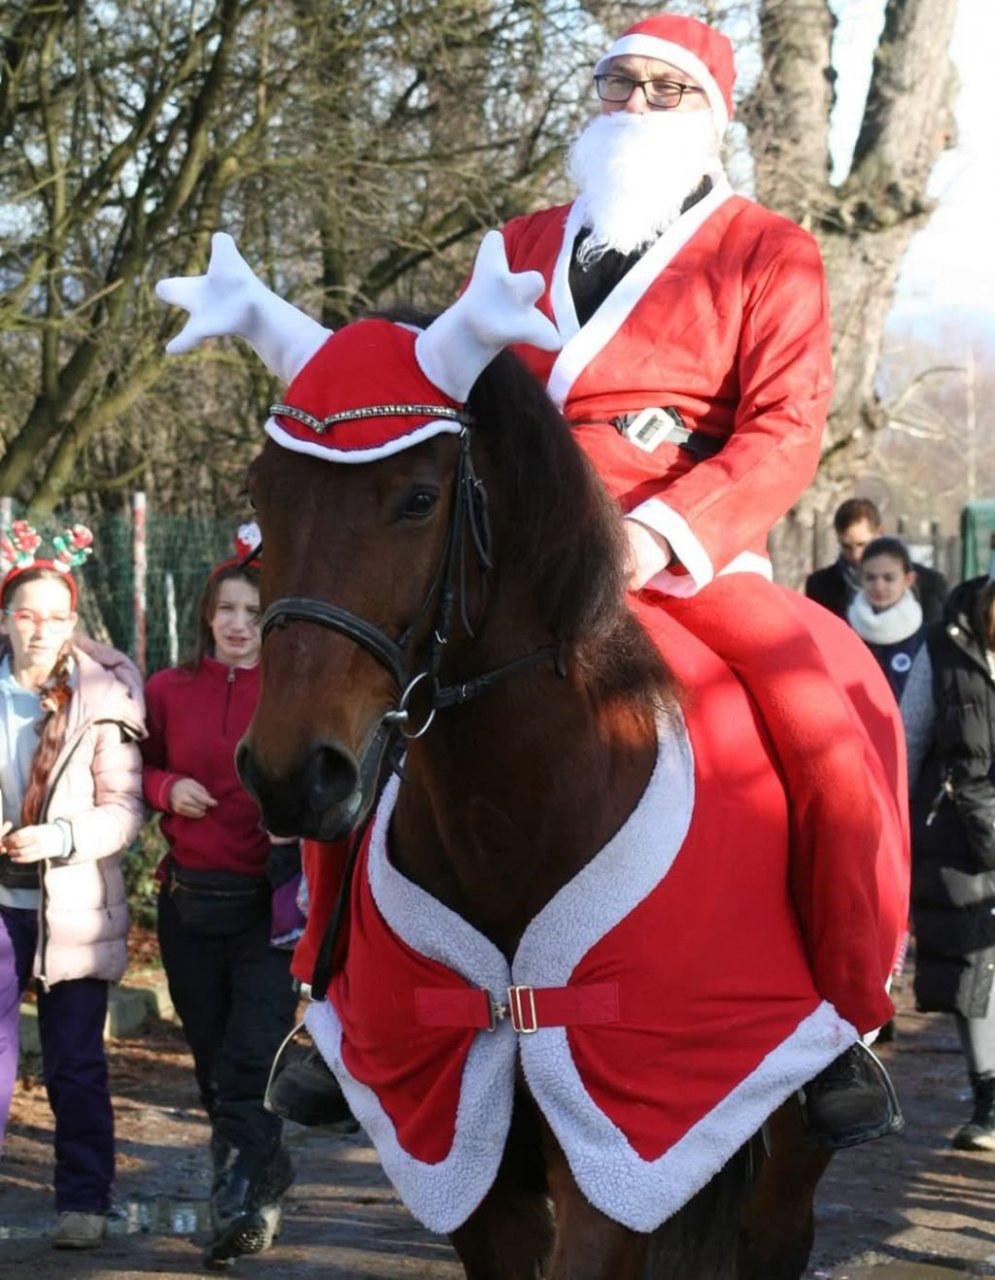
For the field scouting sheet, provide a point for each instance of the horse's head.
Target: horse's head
(354, 553)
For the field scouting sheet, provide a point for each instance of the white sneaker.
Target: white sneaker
(79, 1231)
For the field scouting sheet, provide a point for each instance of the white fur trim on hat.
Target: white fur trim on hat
(644, 45)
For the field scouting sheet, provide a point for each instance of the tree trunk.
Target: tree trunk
(863, 225)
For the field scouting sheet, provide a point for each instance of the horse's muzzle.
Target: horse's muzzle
(322, 798)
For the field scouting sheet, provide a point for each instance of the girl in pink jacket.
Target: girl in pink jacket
(71, 713)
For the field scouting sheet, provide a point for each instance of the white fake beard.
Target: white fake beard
(634, 172)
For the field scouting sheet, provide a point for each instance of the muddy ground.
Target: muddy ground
(905, 1208)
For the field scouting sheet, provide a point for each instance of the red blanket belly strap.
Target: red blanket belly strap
(529, 1008)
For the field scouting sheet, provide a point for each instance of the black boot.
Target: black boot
(246, 1214)
(851, 1101)
(979, 1132)
(304, 1090)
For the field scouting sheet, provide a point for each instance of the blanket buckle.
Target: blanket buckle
(496, 1010)
(522, 1007)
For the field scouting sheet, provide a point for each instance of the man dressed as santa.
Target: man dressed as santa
(695, 371)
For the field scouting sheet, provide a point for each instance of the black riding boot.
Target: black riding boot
(246, 1213)
(979, 1132)
(851, 1101)
(304, 1090)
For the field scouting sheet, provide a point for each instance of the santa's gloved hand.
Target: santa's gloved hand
(649, 554)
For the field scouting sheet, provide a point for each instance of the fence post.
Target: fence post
(139, 557)
(6, 511)
(172, 636)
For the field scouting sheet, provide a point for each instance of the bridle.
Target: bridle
(468, 516)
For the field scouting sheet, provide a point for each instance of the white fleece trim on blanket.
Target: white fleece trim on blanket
(638, 1193)
(582, 344)
(625, 872)
(641, 1194)
(443, 1195)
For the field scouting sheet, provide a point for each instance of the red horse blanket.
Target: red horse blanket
(661, 1005)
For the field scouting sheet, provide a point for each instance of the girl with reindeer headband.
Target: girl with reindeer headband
(227, 908)
(71, 712)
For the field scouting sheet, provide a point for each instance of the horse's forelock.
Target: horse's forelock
(561, 522)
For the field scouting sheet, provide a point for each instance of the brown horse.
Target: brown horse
(469, 591)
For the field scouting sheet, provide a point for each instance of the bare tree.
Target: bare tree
(361, 140)
(863, 224)
(357, 150)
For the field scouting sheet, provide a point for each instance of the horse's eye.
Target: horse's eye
(419, 503)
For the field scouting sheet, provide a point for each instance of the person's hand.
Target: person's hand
(189, 799)
(649, 553)
(34, 844)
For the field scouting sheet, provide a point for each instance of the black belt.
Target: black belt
(649, 427)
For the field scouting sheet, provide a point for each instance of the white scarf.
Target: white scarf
(890, 626)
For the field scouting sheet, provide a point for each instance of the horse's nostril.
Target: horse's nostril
(320, 797)
(330, 777)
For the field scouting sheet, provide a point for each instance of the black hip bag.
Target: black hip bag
(216, 904)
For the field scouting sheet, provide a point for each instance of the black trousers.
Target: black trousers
(235, 998)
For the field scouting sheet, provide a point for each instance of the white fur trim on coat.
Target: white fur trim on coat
(583, 344)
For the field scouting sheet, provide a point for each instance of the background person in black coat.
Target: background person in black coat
(948, 709)
(857, 523)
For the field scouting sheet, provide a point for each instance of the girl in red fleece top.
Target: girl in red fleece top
(231, 988)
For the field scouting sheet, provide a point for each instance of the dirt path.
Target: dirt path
(906, 1207)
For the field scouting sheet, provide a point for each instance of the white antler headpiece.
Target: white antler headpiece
(496, 309)
(231, 300)
(374, 387)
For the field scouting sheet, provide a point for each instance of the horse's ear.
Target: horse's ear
(231, 299)
(496, 310)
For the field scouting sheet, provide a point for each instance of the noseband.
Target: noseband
(468, 512)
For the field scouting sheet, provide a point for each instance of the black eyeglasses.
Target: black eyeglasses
(666, 94)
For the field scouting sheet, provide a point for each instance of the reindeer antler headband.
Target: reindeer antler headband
(19, 546)
(374, 387)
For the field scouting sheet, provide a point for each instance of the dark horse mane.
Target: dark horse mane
(564, 524)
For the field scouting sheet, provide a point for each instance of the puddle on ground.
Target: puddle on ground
(156, 1215)
(899, 1271)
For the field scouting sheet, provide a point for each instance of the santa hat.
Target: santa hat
(374, 387)
(248, 545)
(694, 48)
(20, 543)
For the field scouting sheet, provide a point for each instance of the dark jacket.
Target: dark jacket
(830, 588)
(953, 890)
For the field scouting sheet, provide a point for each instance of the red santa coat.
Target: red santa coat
(725, 318)
(665, 1006)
